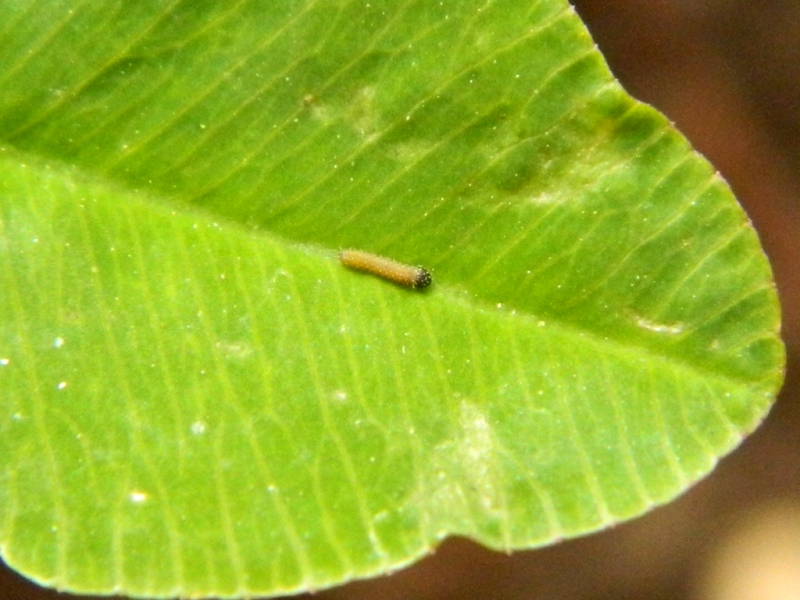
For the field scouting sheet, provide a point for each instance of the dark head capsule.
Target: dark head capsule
(414, 277)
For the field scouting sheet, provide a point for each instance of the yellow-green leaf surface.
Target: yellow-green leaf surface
(197, 398)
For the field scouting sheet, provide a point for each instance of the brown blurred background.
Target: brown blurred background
(727, 72)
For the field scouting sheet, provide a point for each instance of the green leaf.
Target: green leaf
(198, 399)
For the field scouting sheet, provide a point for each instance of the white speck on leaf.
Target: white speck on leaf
(137, 497)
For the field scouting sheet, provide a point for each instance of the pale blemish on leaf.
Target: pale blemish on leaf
(478, 453)
(235, 349)
(409, 152)
(655, 326)
(464, 470)
(317, 108)
(546, 198)
(363, 112)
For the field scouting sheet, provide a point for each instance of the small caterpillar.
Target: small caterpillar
(414, 277)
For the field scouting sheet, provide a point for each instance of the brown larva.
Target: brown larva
(414, 277)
